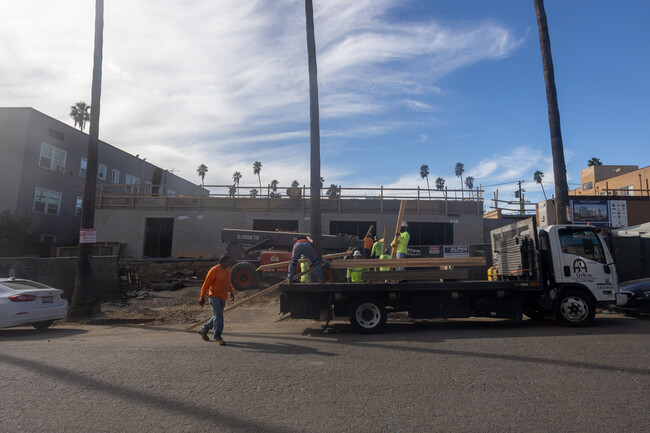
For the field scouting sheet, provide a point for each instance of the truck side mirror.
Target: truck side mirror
(607, 269)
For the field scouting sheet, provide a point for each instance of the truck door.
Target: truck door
(582, 259)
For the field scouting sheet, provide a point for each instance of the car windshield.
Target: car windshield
(583, 243)
(24, 285)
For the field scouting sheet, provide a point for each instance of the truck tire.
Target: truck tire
(244, 276)
(368, 315)
(575, 308)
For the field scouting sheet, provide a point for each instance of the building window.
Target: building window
(627, 190)
(101, 172)
(171, 193)
(116, 177)
(147, 187)
(46, 201)
(83, 167)
(77, 206)
(587, 185)
(52, 158)
(132, 184)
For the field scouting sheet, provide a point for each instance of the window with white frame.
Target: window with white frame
(132, 184)
(52, 158)
(148, 186)
(116, 177)
(77, 206)
(47, 201)
(627, 190)
(83, 167)
(101, 172)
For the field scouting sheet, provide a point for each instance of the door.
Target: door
(582, 259)
(158, 234)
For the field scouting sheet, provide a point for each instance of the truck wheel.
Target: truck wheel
(368, 315)
(575, 308)
(42, 326)
(244, 276)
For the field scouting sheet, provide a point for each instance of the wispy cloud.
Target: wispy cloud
(225, 83)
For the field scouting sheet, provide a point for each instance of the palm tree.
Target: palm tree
(295, 184)
(469, 182)
(253, 193)
(424, 173)
(257, 167)
(537, 177)
(84, 303)
(232, 190)
(236, 177)
(459, 169)
(314, 133)
(594, 161)
(202, 170)
(557, 147)
(440, 183)
(79, 112)
(333, 191)
(274, 189)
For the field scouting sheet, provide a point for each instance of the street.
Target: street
(285, 376)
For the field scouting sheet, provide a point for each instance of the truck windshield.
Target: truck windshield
(583, 243)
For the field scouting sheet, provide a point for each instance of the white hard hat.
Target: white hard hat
(357, 253)
(404, 224)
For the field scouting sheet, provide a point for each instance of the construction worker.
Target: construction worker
(367, 245)
(304, 267)
(304, 247)
(354, 273)
(377, 248)
(402, 240)
(386, 255)
(217, 286)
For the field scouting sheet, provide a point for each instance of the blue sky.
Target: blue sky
(401, 83)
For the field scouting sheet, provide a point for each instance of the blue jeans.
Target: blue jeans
(216, 321)
(307, 249)
(400, 256)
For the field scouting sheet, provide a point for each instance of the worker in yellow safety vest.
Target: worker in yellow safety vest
(354, 273)
(402, 240)
(386, 255)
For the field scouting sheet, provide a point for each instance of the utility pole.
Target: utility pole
(520, 194)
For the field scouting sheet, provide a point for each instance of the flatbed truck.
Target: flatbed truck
(560, 271)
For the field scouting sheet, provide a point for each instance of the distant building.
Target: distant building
(43, 170)
(620, 180)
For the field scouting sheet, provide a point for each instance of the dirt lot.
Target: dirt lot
(167, 307)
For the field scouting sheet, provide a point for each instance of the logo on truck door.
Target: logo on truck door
(579, 266)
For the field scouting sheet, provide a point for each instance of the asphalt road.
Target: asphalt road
(444, 376)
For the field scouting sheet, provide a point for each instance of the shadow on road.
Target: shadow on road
(216, 419)
(280, 348)
(31, 334)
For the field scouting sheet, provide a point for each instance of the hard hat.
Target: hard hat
(404, 224)
(357, 253)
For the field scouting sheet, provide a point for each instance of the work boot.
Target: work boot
(204, 335)
(220, 342)
(289, 280)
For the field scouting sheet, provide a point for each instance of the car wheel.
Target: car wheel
(368, 315)
(42, 326)
(244, 276)
(575, 308)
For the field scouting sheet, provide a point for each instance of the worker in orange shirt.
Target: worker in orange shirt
(367, 245)
(217, 286)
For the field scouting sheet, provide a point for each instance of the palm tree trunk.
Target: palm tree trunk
(557, 147)
(314, 184)
(428, 188)
(260, 180)
(544, 192)
(84, 302)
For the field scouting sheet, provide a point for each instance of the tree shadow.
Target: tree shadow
(216, 419)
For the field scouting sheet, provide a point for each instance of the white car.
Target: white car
(25, 302)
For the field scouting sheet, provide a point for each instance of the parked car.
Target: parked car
(634, 297)
(25, 302)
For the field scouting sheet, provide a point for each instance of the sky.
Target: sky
(402, 83)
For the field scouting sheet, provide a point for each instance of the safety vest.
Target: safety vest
(354, 274)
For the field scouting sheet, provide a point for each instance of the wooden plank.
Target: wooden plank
(371, 276)
(408, 263)
(282, 264)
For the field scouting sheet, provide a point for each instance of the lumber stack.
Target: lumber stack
(408, 263)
